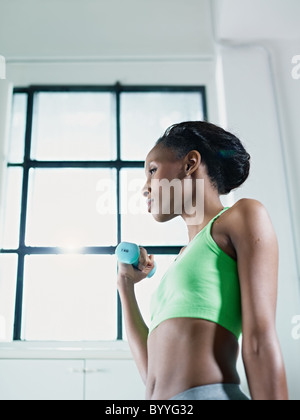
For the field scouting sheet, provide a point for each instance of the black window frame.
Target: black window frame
(117, 164)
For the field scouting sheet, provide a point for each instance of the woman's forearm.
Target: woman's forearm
(265, 372)
(136, 329)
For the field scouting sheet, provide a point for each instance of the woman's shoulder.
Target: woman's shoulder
(247, 207)
(247, 215)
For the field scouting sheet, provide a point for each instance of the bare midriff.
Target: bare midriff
(184, 353)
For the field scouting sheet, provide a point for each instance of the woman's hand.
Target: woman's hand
(129, 273)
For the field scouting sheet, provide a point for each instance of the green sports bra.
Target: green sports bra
(202, 282)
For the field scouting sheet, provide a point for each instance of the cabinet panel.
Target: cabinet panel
(113, 380)
(41, 379)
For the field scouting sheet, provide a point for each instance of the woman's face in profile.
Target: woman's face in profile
(163, 188)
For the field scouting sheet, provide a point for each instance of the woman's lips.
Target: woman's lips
(149, 204)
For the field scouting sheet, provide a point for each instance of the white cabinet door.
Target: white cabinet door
(41, 379)
(113, 380)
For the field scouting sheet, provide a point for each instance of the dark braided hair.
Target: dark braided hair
(227, 161)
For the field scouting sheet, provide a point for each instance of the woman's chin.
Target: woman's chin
(163, 218)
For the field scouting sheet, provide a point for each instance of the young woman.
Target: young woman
(222, 284)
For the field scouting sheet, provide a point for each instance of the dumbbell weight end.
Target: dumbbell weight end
(129, 253)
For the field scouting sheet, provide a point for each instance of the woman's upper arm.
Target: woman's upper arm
(256, 245)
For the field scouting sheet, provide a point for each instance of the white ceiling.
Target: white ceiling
(105, 28)
(258, 19)
(47, 29)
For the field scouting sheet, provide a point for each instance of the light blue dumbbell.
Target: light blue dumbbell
(128, 253)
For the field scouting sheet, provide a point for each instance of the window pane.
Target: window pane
(74, 126)
(12, 209)
(18, 127)
(146, 116)
(8, 277)
(71, 208)
(70, 298)
(138, 225)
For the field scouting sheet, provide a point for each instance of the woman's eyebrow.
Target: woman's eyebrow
(147, 166)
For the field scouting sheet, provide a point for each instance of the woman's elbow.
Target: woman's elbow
(264, 366)
(259, 342)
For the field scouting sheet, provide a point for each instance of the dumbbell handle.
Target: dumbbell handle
(128, 253)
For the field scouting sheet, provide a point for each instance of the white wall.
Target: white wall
(250, 20)
(5, 115)
(288, 90)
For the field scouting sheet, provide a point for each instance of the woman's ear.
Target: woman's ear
(192, 162)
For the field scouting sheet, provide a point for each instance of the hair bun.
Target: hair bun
(235, 168)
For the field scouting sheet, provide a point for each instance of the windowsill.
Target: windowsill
(65, 350)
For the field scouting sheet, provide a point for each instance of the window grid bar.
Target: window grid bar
(119, 219)
(17, 332)
(117, 164)
(88, 250)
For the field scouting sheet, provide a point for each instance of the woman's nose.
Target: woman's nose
(146, 190)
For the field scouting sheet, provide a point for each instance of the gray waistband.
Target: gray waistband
(216, 392)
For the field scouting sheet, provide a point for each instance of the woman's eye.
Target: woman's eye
(152, 171)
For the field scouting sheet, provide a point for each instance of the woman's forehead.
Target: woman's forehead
(160, 154)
